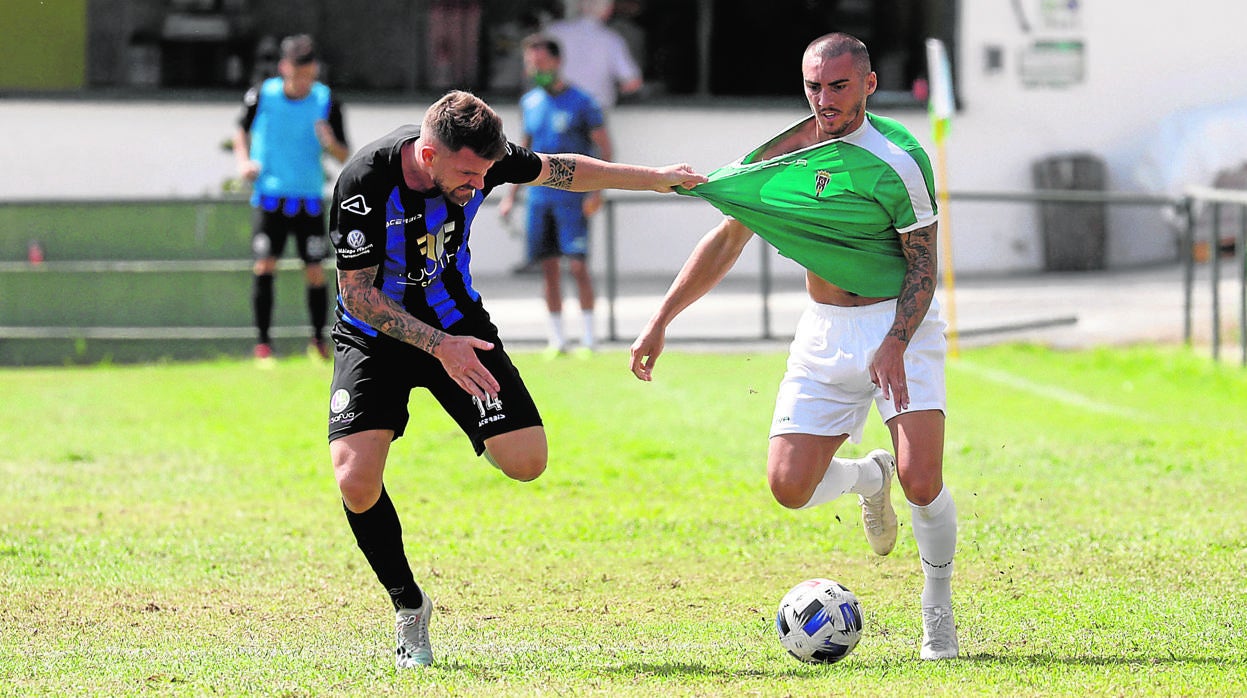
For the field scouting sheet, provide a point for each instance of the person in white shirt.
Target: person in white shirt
(595, 57)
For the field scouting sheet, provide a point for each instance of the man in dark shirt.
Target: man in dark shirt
(408, 316)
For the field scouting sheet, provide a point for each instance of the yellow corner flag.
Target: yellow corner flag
(940, 107)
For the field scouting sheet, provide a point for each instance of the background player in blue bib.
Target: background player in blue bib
(287, 123)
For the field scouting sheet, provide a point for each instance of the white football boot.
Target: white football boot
(412, 631)
(878, 516)
(939, 633)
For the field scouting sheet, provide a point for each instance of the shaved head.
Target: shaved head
(836, 44)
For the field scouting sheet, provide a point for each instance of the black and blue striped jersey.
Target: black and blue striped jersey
(418, 240)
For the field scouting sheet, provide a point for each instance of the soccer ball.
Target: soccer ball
(819, 621)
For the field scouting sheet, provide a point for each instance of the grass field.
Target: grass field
(175, 529)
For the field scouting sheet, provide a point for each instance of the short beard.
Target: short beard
(449, 196)
(848, 121)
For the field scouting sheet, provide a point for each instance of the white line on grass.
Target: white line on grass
(1048, 391)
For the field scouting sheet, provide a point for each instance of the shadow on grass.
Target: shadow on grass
(633, 670)
(697, 669)
(1039, 660)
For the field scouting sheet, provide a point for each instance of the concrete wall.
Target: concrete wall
(168, 149)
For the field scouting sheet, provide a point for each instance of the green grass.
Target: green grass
(175, 529)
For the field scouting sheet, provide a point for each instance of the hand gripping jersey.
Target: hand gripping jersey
(835, 207)
(419, 240)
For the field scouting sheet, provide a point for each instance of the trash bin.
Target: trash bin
(1073, 232)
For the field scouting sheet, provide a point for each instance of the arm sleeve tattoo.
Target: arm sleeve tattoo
(562, 170)
(918, 286)
(366, 302)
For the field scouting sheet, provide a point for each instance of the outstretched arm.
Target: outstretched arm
(576, 172)
(705, 268)
(887, 369)
(457, 354)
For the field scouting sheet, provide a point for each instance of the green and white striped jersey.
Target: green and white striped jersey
(835, 207)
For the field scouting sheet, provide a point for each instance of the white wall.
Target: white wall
(1144, 62)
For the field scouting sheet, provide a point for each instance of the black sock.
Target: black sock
(380, 537)
(262, 305)
(318, 309)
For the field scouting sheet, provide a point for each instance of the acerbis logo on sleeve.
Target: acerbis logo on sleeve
(356, 205)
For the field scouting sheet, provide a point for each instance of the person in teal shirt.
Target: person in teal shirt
(849, 195)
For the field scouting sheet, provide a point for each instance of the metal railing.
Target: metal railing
(1185, 209)
(1218, 199)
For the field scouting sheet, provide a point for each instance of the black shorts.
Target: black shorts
(373, 378)
(270, 229)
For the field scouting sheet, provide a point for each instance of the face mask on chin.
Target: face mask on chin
(543, 79)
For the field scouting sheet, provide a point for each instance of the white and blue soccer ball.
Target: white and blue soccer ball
(819, 621)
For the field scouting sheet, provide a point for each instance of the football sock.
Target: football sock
(556, 330)
(380, 537)
(318, 309)
(262, 305)
(844, 475)
(935, 530)
(587, 339)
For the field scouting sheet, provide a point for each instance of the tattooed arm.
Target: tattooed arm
(575, 172)
(887, 369)
(918, 286)
(366, 302)
(457, 354)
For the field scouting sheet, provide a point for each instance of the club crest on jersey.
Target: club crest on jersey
(434, 255)
(821, 179)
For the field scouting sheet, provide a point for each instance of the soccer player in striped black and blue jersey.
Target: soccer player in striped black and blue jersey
(410, 317)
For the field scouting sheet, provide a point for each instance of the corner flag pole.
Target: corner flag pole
(940, 107)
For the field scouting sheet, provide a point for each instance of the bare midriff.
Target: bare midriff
(827, 293)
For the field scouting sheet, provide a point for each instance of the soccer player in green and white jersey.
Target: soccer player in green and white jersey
(849, 195)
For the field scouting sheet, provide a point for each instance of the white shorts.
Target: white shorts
(827, 390)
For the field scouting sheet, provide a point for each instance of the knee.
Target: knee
(790, 495)
(358, 493)
(525, 469)
(922, 487)
(314, 275)
(359, 496)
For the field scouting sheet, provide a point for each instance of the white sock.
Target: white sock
(587, 339)
(556, 331)
(935, 530)
(844, 475)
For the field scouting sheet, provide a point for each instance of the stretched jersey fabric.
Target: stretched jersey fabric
(419, 240)
(835, 207)
(560, 123)
(284, 142)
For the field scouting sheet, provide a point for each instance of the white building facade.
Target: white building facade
(1144, 86)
